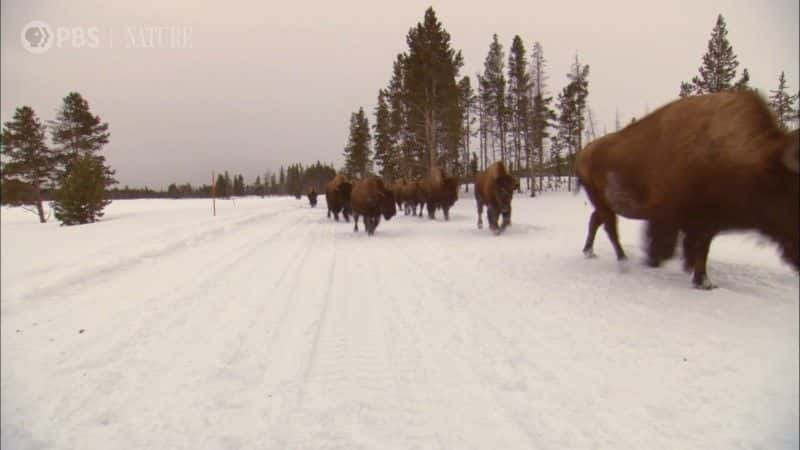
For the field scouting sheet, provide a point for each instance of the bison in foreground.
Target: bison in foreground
(696, 167)
(371, 199)
(312, 197)
(337, 194)
(494, 188)
(439, 191)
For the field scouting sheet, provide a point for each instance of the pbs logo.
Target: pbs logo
(37, 37)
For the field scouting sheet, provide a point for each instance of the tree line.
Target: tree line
(429, 115)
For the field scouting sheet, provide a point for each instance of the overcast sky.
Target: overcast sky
(271, 83)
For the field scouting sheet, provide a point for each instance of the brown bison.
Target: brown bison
(312, 197)
(337, 194)
(371, 199)
(494, 188)
(696, 167)
(397, 190)
(408, 197)
(439, 191)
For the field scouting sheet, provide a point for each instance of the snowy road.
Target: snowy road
(271, 326)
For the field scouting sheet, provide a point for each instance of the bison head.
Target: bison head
(388, 207)
(506, 185)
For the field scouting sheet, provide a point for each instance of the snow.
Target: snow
(271, 326)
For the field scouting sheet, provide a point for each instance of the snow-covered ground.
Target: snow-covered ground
(270, 326)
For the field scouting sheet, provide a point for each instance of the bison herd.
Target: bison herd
(692, 169)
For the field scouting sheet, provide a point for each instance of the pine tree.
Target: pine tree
(282, 182)
(81, 197)
(782, 104)
(78, 133)
(385, 154)
(542, 114)
(468, 103)
(718, 69)
(29, 160)
(579, 80)
(357, 151)
(221, 186)
(430, 93)
(495, 86)
(519, 82)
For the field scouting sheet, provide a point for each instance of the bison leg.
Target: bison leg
(446, 211)
(491, 217)
(355, 222)
(336, 216)
(610, 225)
(329, 213)
(506, 220)
(431, 211)
(480, 215)
(346, 215)
(695, 252)
(661, 239)
(594, 223)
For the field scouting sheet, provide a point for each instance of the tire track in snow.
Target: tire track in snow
(182, 315)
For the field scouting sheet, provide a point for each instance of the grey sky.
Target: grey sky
(270, 83)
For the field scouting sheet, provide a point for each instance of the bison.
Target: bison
(412, 197)
(694, 168)
(397, 191)
(439, 191)
(312, 197)
(337, 194)
(371, 199)
(494, 188)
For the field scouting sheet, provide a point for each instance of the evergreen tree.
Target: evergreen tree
(82, 195)
(76, 130)
(404, 146)
(782, 103)
(281, 182)
(468, 103)
(172, 191)
(77, 133)
(519, 83)
(718, 69)
(542, 114)
(258, 189)
(357, 151)
(28, 159)
(221, 186)
(273, 184)
(385, 154)
(495, 90)
(430, 93)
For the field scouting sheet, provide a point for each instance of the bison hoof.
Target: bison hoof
(703, 284)
(589, 254)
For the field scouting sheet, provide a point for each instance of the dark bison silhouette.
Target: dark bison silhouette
(439, 191)
(371, 199)
(337, 195)
(694, 168)
(312, 197)
(494, 188)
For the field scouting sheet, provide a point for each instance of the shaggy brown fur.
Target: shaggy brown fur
(439, 191)
(312, 197)
(337, 194)
(397, 190)
(371, 199)
(412, 197)
(494, 188)
(697, 166)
